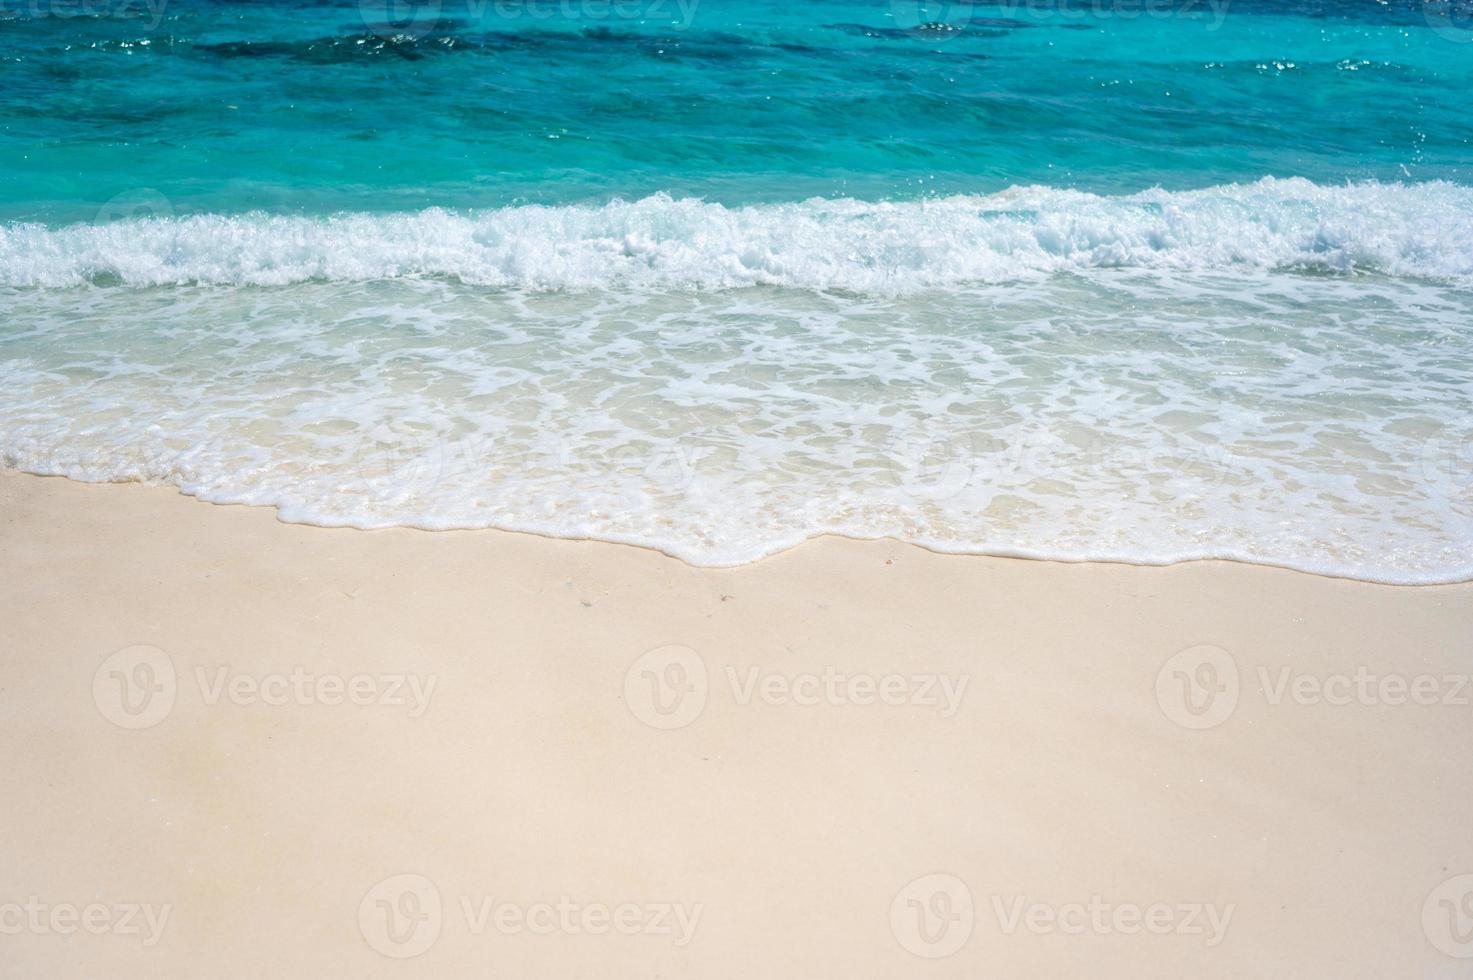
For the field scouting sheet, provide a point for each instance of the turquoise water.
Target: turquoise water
(320, 107)
(1128, 280)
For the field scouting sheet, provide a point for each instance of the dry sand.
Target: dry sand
(183, 795)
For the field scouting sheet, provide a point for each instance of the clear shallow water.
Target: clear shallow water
(1020, 280)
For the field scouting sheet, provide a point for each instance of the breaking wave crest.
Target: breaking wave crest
(893, 248)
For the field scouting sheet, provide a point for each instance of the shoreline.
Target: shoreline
(930, 547)
(779, 766)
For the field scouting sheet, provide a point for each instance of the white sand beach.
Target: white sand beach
(241, 748)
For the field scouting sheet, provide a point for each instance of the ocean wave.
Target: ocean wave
(887, 248)
(1305, 421)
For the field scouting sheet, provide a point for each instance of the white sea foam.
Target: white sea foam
(1423, 230)
(1318, 422)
